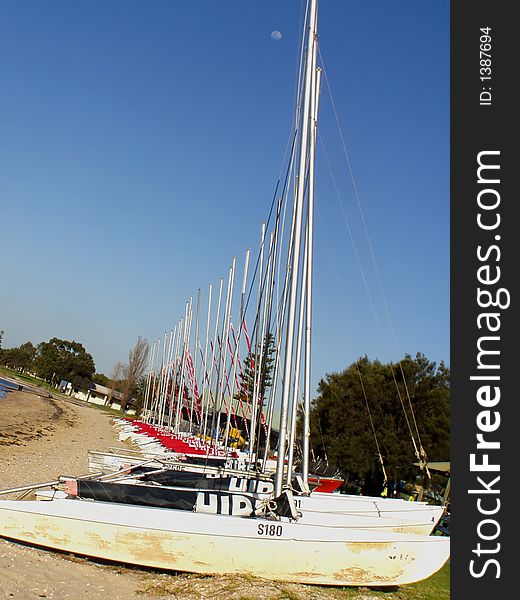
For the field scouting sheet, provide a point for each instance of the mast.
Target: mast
(195, 347)
(295, 263)
(220, 401)
(204, 395)
(161, 381)
(211, 398)
(168, 371)
(234, 357)
(148, 399)
(185, 342)
(255, 351)
(308, 279)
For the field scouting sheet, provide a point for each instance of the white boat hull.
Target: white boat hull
(387, 514)
(217, 544)
(406, 516)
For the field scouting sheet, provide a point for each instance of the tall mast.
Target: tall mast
(295, 263)
(211, 398)
(195, 352)
(255, 350)
(221, 401)
(308, 280)
(204, 402)
(234, 357)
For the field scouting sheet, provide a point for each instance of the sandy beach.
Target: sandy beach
(42, 438)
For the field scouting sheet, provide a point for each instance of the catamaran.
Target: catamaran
(278, 539)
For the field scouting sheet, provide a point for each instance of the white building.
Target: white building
(103, 396)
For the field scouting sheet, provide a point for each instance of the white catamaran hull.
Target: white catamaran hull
(390, 514)
(217, 544)
(413, 517)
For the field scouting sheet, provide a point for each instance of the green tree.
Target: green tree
(20, 358)
(260, 361)
(101, 379)
(341, 423)
(58, 360)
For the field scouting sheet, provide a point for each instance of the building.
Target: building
(101, 395)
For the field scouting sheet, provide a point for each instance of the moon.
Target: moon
(276, 35)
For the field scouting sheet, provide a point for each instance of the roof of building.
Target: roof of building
(101, 389)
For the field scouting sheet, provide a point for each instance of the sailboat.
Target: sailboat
(278, 544)
(196, 481)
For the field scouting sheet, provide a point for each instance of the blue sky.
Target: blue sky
(140, 147)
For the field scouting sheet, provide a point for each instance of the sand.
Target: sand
(42, 438)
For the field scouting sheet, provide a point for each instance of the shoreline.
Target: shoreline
(43, 437)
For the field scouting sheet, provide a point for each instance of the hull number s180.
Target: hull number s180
(269, 530)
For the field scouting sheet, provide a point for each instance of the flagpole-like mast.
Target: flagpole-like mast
(308, 281)
(295, 263)
(234, 358)
(195, 343)
(223, 348)
(212, 369)
(203, 396)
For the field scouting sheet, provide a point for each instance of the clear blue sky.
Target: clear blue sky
(140, 147)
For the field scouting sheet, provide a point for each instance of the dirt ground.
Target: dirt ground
(42, 438)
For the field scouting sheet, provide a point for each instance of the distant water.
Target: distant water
(6, 386)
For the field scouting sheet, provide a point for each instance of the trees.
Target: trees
(53, 361)
(133, 372)
(262, 361)
(115, 382)
(258, 368)
(58, 360)
(20, 358)
(101, 379)
(341, 423)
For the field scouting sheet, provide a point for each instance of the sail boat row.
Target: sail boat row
(144, 515)
(221, 476)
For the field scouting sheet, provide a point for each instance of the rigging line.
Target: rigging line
(423, 459)
(294, 125)
(360, 208)
(280, 314)
(417, 454)
(349, 230)
(255, 271)
(262, 285)
(318, 420)
(410, 402)
(372, 424)
(304, 7)
(298, 76)
(365, 228)
(254, 276)
(271, 250)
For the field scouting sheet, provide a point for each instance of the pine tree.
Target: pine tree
(260, 361)
(341, 424)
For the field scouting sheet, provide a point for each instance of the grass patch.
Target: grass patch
(436, 587)
(25, 378)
